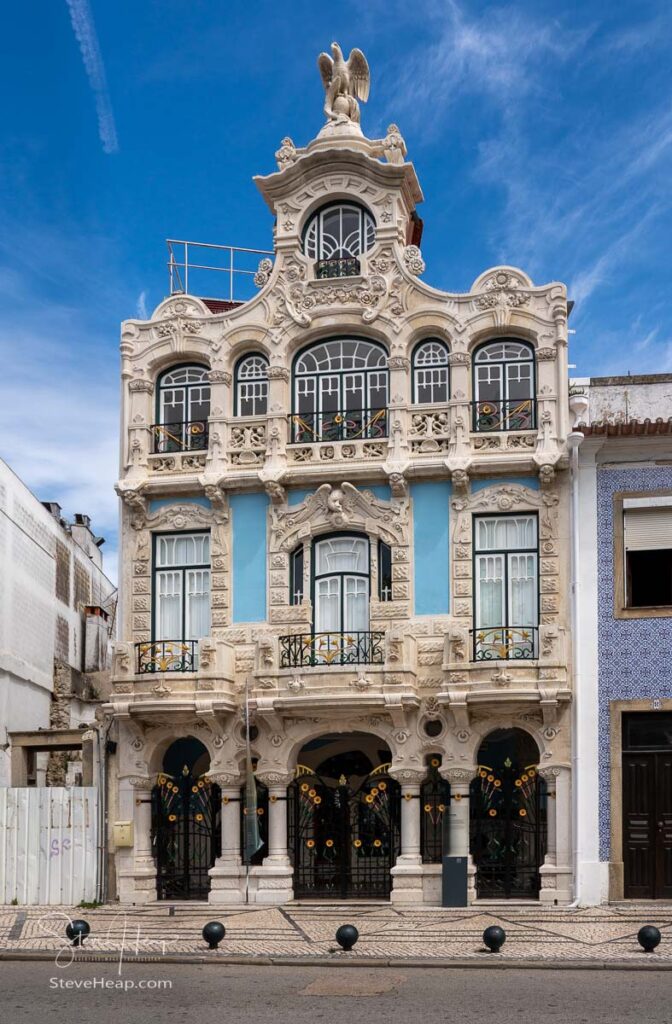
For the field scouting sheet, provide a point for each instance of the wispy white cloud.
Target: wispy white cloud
(85, 32)
(142, 305)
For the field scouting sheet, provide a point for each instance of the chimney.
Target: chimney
(54, 508)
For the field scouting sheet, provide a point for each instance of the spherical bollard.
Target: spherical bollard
(77, 931)
(346, 937)
(213, 933)
(494, 938)
(648, 937)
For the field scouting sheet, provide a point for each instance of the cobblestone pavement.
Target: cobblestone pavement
(534, 934)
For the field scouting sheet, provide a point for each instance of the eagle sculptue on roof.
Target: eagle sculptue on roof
(345, 82)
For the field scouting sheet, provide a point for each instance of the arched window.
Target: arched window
(340, 392)
(183, 407)
(504, 386)
(336, 236)
(430, 372)
(251, 386)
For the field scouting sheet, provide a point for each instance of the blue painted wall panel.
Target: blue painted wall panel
(431, 543)
(249, 556)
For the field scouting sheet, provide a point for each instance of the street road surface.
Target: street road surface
(333, 995)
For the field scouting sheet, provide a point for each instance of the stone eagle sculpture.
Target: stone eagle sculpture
(345, 82)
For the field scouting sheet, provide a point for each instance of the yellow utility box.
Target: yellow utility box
(122, 832)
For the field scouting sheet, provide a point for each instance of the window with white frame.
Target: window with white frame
(506, 578)
(430, 372)
(251, 386)
(183, 407)
(338, 232)
(341, 584)
(504, 386)
(181, 586)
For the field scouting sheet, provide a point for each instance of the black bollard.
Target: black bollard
(213, 933)
(648, 937)
(346, 937)
(77, 931)
(494, 938)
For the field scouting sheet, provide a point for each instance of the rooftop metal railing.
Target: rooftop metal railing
(236, 263)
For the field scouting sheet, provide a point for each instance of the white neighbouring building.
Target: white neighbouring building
(56, 609)
(346, 495)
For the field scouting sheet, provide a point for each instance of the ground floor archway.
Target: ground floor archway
(508, 817)
(186, 810)
(344, 818)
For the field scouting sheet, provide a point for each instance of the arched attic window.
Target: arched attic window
(251, 386)
(183, 407)
(335, 237)
(431, 375)
(504, 386)
(340, 392)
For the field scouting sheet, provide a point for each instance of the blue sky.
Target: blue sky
(541, 134)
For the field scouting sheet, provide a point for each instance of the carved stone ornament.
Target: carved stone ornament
(287, 154)
(339, 507)
(458, 359)
(275, 779)
(394, 147)
(546, 354)
(264, 271)
(219, 377)
(139, 384)
(411, 776)
(345, 82)
(413, 260)
(276, 492)
(501, 290)
(141, 782)
(226, 779)
(457, 776)
(277, 373)
(361, 682)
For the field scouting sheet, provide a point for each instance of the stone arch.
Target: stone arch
(167, 737)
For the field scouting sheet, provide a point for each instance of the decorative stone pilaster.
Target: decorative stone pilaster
(278, 426)
(228, 874)
(556, 871)
(407, 872)
(459, 779)
(139, 421)
(220, 408)
(141, 871)
(271, 882)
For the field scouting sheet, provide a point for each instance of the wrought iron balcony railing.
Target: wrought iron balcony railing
(343, 425)
(518, 414)
(348, 267)
(305, 649)
(189, 436)
(167, 656)
(504, 643)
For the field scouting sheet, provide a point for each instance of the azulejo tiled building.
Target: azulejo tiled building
(346, 497)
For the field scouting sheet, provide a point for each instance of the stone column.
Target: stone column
(272, 881)
(139, 418)
(227, 883)
(279, 404)
(140, 871)
(407, 873)
(460, 409)
(220, 409)
(556, 870)
(458, 820)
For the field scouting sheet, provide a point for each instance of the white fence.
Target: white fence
(48, 845)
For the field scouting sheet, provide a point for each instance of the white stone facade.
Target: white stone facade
(427, 670)
(50, 571)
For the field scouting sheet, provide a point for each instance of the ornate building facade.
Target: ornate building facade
(345, 499)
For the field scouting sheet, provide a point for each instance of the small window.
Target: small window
(296, 576)
(384, 571)
(430, 372)
(647, 530)
(504, 386)
(336, 236)
(251, 393)
(183, 400)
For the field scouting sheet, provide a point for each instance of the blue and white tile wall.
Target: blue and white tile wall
(635, 655)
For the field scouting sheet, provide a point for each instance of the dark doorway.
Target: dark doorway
(508, 817)
(647, 805)
(344, 814)
(186, 810)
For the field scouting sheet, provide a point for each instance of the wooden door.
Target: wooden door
(647, 825)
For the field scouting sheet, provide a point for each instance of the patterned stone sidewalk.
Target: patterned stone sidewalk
(535, 935)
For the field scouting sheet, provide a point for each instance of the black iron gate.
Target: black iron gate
(186, 835)
(344, 839)
(508, 831)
